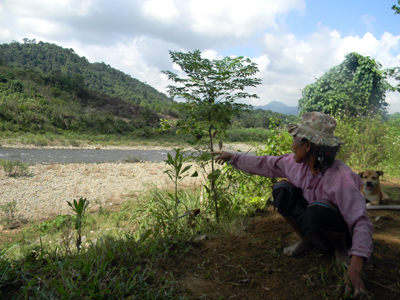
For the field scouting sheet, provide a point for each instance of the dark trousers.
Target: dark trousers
(321, 215)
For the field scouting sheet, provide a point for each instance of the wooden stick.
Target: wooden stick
(386, 287)
(383, 207)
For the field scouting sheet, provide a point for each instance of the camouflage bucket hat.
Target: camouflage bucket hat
(317, 128)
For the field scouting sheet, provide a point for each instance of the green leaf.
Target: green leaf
(214, 175)
(205, 156)
(145, 235)
(186, 169)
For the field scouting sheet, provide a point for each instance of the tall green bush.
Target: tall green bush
(256, 190)
(366, 141)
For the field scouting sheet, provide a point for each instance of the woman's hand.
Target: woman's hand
(222, 157)
(353, 279)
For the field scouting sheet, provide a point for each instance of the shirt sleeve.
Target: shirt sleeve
(267, 166)
(345, 192)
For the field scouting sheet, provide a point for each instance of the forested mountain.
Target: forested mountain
(56, 61)
(31, 101)
(47, 88)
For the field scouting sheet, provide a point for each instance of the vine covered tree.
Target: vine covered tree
(357, 86)
(210, 89)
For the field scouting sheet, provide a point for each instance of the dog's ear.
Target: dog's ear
(360, 174)
(380, 173)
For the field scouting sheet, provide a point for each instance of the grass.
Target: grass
(119, 249)
(66, 138)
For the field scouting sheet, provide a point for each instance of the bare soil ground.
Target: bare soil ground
(251, 265)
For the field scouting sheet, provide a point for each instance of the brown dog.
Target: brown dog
(371, 188)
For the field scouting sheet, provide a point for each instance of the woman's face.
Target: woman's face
(300, 150)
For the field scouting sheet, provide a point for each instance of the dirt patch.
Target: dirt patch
(251, 265)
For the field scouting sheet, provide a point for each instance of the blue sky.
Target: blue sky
(351, 17)
(293, 41)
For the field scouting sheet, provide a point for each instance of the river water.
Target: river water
(33, 156)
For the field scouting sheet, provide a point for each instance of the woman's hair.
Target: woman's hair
(325, 155)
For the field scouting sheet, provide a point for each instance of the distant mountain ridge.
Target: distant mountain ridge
(280, 107)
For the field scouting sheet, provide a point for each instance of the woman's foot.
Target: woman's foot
(301, 246)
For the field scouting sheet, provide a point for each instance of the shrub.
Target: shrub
(16, 86)
(252, 189)
(366, 141)
(9, 209)
(58, 223)
(55, 92)
(247, 135)
(14, 168)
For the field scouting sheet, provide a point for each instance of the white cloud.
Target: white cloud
(49, 8)
(368, 19)
(365, 46)
(211, 54)
(43, 28)
(236, 18)
(160, 10)
(263, 62)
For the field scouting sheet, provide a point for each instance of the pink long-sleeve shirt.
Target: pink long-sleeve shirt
(339, 184)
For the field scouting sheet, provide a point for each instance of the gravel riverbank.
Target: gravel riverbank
(44, 194)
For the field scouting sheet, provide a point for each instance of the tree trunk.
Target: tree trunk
(212, 187)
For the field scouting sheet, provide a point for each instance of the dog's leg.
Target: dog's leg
(375, 202)
(385, 196)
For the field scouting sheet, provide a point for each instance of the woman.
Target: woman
(321, 199)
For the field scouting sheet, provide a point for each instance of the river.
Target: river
(33, 156)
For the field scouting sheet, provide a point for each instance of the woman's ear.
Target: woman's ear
(308, 146)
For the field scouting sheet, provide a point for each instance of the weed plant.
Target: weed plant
(14, 168)
(9, 213)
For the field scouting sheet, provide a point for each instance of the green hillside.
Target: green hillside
(45, 88)
(31, 101)
(55, 60)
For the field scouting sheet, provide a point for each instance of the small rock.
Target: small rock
(200, 238)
